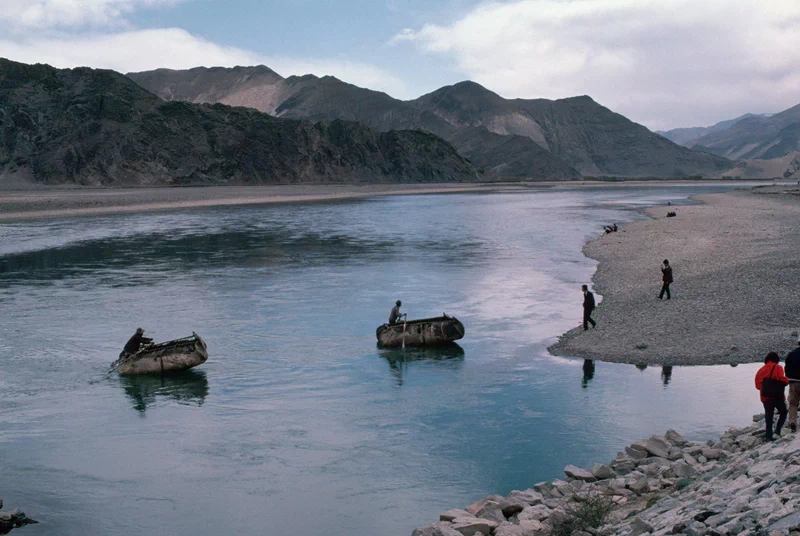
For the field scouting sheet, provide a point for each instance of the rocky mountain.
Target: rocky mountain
(98, 127)
(759, 137)
(688, 136)
(550, 139)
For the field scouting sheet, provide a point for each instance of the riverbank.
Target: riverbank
(736, 293)
(66, 202)
(58, 202)
(738, 485)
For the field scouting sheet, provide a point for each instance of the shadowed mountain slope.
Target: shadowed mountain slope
(98, 127)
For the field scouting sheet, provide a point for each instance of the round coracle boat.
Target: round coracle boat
(170, 356)
(424, 332)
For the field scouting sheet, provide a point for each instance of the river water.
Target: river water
(298, 424)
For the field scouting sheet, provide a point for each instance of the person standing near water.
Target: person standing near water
(666, 279)
(588, 307)
(771, 381)
(793, 373)
(395, 314)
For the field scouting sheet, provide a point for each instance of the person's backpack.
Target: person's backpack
(772, 388)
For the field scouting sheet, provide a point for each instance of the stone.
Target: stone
(436, 529)
(491, 511)
(657, 446)
(472, 526)
(640, 527)
(603, 472)
(712, 454)
(529, 528)
(450, 515)
(635, 453)
(528, 496)
(683, 470)
(675, 438)
(477, 505)
(534, 513)
(578, 473)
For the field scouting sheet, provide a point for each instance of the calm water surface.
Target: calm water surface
(298, 424)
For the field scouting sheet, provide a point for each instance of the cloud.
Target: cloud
(175, 48)
(24, 15)
(664, 63)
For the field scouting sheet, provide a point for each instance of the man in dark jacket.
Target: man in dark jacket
(588, 307)
(395, 315)
(135, 342)
(666, 278)
(793, 373)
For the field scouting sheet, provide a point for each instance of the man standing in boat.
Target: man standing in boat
(588, 307)
(395, 315)
(135, 342)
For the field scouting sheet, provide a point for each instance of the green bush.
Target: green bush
(590, 511)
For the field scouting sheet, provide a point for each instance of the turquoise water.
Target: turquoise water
(298, 423)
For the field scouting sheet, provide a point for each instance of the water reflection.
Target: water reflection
(187, 387)
(452, 355)
(588, 372)
(641, 366)
(666, 374)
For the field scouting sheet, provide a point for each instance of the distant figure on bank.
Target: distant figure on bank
(588, 307)
(666, 279)
(771, 381)
(793, 373)
(395, 315)
(615, 229)
(135, 342)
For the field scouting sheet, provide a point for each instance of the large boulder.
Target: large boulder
(472, 526)
(439, 528)
(579, 474)
(657, 446)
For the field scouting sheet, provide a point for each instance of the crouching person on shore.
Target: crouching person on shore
(793, 373)
(772, 382)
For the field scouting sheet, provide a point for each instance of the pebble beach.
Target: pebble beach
(736, 294)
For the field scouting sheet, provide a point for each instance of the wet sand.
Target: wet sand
(736, 295)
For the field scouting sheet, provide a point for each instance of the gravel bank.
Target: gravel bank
(736, 486)
(736, 295)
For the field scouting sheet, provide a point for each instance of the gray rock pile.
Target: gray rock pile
(737, 486)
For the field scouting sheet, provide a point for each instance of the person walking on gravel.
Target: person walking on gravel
(793, 373)
(588, 307)
(666, 278)
(772, 382)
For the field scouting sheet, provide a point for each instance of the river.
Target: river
(298, 423)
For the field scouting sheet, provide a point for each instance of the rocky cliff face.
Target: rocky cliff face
(555, 139)
(97, 127)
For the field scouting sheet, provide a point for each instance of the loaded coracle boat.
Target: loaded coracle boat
(170, 356)
(423, 332)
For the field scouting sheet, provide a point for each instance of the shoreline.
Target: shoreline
(736, 293)
(737, 485)
(64, 202)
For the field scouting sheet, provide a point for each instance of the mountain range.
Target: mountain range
(532, 138)
(98, 127)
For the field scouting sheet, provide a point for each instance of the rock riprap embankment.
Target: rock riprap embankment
(739, 485)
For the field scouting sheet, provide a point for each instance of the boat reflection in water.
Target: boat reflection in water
(448, 355)
(187, 387)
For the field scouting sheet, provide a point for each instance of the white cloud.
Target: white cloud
(664, 63)
(174, 48)
(24, 15)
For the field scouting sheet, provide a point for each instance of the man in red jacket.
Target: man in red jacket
(771, 381)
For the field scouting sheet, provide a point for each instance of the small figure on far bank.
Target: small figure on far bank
(771, 382)
(666, 279)
(793, 373)
(135, 342)
(588, 307)
(395, 315)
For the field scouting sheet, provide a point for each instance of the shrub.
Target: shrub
(589, 511)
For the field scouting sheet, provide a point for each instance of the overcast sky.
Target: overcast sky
(662, 63)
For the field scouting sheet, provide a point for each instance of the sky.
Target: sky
(662, 63)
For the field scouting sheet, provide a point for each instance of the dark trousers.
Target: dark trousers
(664, 288)
(587, 318)
(770, 405)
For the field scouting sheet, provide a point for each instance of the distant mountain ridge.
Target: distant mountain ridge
(688, 136)
(536, 138)
(98, 127)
